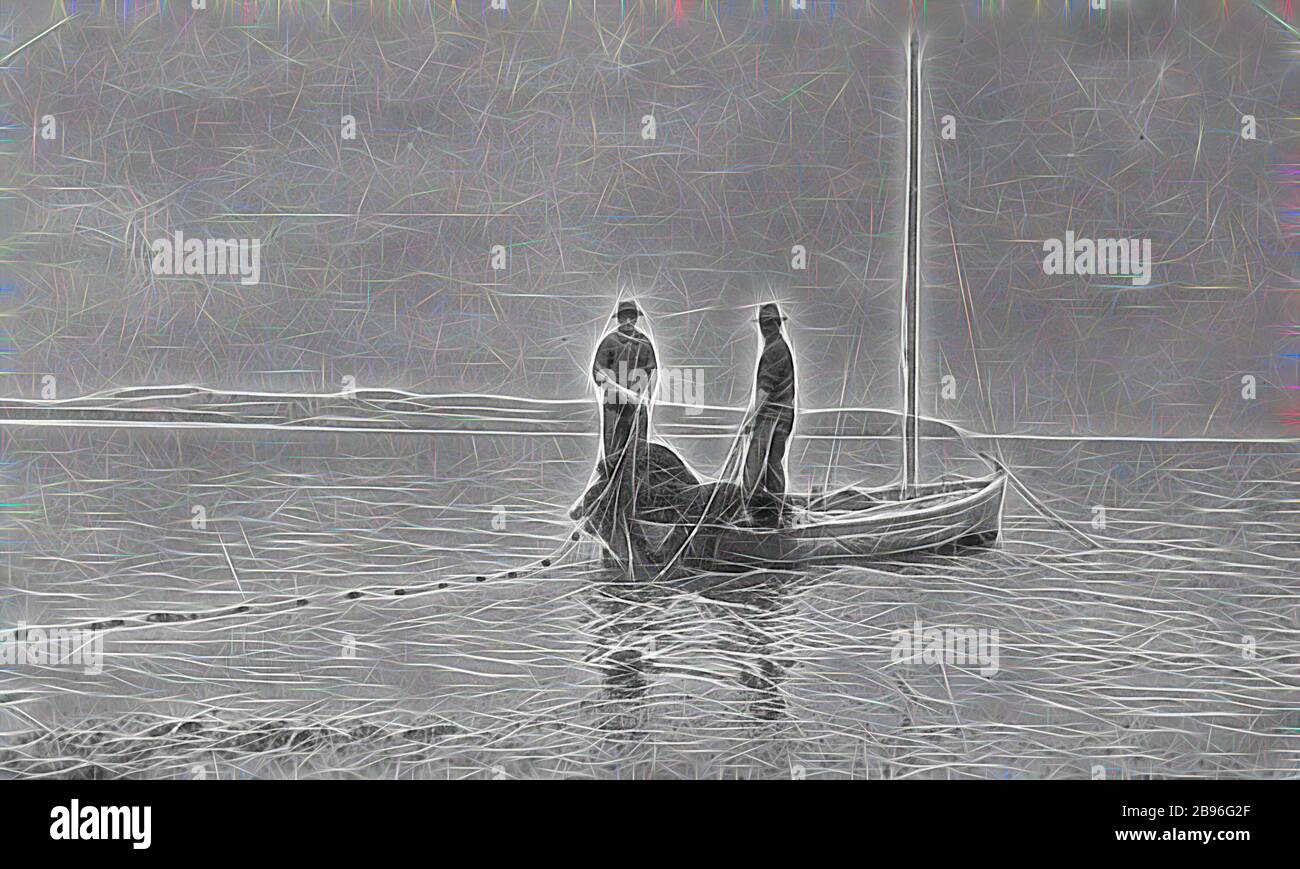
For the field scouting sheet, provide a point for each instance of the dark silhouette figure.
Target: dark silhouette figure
(625, 370)
(770, 422)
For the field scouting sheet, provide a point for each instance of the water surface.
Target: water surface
(1169, 651)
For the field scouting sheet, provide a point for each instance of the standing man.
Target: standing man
(625, 370)
(770, 422)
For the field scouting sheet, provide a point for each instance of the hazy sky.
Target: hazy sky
(771, 130)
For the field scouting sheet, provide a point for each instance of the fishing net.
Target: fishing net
(665, 491)
(646, 504)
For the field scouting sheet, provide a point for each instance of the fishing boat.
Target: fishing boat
(853, 524)
(845, 527)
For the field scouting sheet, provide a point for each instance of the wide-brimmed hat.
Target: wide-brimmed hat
(770, 313)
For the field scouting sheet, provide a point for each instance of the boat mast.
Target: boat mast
(911, 325)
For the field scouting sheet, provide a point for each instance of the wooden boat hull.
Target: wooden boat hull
(940, 515)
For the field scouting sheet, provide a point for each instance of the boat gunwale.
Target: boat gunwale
(980, 488)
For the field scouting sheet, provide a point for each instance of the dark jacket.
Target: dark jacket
(776, 375)
(630, 357)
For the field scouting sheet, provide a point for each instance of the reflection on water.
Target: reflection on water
(638, 631)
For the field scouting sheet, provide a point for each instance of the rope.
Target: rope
(289, 603)
(1043, 510)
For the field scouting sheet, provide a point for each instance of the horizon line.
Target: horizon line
(53, 404)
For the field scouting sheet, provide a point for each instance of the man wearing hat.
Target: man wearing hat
(770, 421)
(624, 370)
